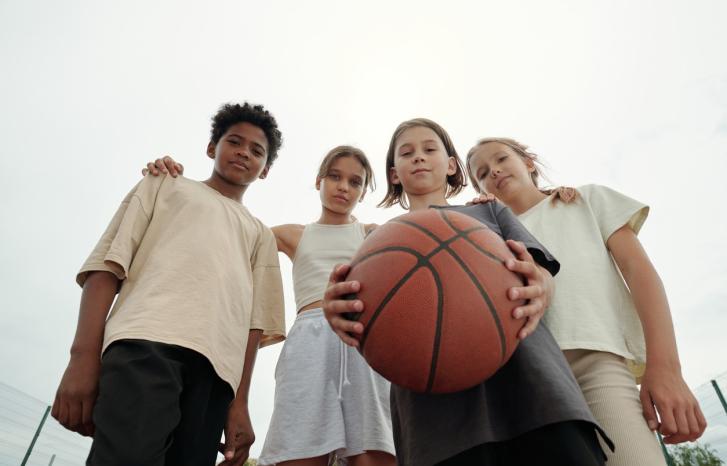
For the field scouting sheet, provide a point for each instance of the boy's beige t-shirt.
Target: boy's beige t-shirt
(592, 307)
(198, 271)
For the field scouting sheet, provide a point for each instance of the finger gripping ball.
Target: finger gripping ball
(436, 314)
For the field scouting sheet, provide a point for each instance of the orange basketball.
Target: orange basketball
(436, 314)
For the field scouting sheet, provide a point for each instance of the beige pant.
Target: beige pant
(612, 395)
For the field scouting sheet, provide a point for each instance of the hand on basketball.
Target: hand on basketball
(239, 436)
(334, 306)
(483, 198)
(537, 290)
(164, 165)
(664, 391)
(77, 393)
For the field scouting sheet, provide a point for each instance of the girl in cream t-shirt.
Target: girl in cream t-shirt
(609, 313)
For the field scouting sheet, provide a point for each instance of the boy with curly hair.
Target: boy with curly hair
(199, 290)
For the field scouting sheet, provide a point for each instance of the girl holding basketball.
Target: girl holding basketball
(531, 411)
(600, 320)
(328, 402)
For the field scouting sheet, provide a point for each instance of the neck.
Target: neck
(224, 187)
(423, 201)
(524, 201)
(329, 217)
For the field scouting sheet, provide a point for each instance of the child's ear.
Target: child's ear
(451, 166)
(318, 183)
(394, 177)
(363, 194)
(264, 173)
(211, 150)
(530, 164)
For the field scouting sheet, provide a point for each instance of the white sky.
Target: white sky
(628, 94)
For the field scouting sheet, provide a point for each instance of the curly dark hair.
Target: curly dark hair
(232, 114)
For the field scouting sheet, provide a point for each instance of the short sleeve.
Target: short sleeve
(268, 309)
(613, 210)
(119, 243)
(512, 229)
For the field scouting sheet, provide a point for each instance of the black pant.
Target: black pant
(562, 444)
(158, 404)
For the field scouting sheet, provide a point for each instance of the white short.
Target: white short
(328, 401)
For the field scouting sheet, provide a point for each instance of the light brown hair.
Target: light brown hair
(395, 192)
(563, 193)
(348, 151)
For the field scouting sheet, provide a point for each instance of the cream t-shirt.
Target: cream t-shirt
(592, 307)
(198, 271)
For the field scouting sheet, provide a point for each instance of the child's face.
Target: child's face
(499, 170)
(240, 154)
(421, 163)
(343, 186)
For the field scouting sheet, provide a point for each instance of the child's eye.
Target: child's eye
(334, 177)
(356, 183)
(484, 174)
(502, 158)
(234, 142)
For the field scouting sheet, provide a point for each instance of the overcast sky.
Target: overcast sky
(628, 94)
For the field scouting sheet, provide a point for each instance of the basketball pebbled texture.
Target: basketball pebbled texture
(436, 314)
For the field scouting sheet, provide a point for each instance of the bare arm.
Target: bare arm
(287, 238)
(239, 435)
(77, 391)
(662, 389)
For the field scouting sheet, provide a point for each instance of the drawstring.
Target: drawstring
(343, 370)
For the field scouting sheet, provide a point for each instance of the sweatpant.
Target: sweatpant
(158, 404)
(612, 395)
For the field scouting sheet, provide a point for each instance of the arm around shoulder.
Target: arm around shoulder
(287, 238)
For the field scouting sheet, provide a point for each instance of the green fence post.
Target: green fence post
(35, 437)
(719, 395)
(667, 456)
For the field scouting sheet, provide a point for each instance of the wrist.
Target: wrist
(661, 364)
(83, 352)
(239, 402)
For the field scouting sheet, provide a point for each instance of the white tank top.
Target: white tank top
(321, 247)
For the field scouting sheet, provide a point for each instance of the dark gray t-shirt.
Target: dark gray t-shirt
(534, 388)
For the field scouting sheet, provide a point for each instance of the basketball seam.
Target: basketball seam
(485, 295)
(425, 261)
(444, 246)
(422, 261)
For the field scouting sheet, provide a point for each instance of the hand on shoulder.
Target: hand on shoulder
(163, 165)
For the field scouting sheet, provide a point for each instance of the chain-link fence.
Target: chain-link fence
(712, 397)
(30, 436)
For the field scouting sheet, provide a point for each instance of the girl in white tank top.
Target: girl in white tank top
(329, 404)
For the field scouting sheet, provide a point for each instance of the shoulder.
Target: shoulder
(589, 191)
(288, 230)
(369, 228)
(485, 210)
(599, 195)
(287, 237)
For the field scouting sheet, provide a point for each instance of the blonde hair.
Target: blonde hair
(563, 193)
(455, 182)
